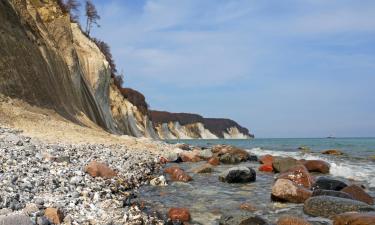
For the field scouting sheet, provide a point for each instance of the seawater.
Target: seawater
(208, 199)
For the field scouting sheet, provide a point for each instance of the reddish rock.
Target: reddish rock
(190, 156)
(317, 166)
(96, 169)
(286, 191)
(205, 168)
(185, 147)
(163, 160)
(214, 161)
(359, 194)
(332, 152)
(299, 175)
(266, 168)
(354, 218)
(181, 214)
(54, 215)
(292, 220)
(248, 207)
(177, 174)
(266, 159)
(239, 153)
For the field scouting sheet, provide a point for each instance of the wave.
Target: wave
(347, 168)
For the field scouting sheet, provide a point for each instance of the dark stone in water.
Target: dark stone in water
(238, 174)
(329, 184)
(242, 219)
(178, 160)
(327, 206)
(253, 158)
(338, 194)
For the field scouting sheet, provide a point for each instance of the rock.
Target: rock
(228, 158)
(183, 146)
(266, 159)
(319, 166)
(354, 218)
(214, 161)
(253, 158)
(338, 194)
(96, 169)
(248, 207)
(292, 220)
(242, 219)
(163, 160)
(286, 191)
(237, 154)
(181, 214)
(266, 168)
(299, 175)
(358, 194)
(159, 181)
(42, 221)
(238, 174)
(332, 152)
(327, 206)
(205, 153)
(189, 156)
(327, 183)
(15, 219)
(177, 174)
(281, 164)
(205, 168)
(30, 209)
(54, 215)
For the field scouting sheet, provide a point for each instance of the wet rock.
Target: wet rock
(358, 194)
(159, 181)
(242, 219)
(205, 153)
(96, 169)
(332, 152)
(319, 166)
(163, 160)
(188, 156)
(286, 191)
(292, 220)
(281, 164)
(353, 218)
(248, 207)
(266, 168)
(327, 183)
(180, 214)
(205, 168)
(233, 154)
(228, 158)
(299, 175)
(339, 194)
(177, 174)
(238, 174)
(54, 215)
(327, 206)
(214, 161)
(253, 158)
(42, 221)
(15, 219)
(266, 159)
(185, 147)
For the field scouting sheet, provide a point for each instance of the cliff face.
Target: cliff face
(188, 126)
(47, 61)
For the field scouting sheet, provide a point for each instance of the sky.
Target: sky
(291, 68)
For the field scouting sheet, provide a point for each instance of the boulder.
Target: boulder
(358, 194)
(159, 181)
(97, 169)
(214, 161)
(292, 220)
(54, 215)
(339, 194)
(245, 218)
(204, 154)
(238, 154)
(177, 174)
(281, 164)
(238, 174)
(266, 168)
(286, 191)
(189, 156)
(228, 158)
(15, 219)
(332, 152)
(266, 159)
(181, 214)
(354, 218)
(205, 168)
(327, 206)
(183, 146)
(327, 183)
(299, 175)
(319, 166)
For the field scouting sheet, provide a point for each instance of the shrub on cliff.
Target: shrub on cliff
(136, 98)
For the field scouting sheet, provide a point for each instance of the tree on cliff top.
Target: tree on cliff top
(72, 7)
(92, 16)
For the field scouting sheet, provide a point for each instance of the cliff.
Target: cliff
(49, 62)
(187, 126)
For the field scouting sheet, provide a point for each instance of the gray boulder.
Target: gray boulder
(239, 174)
(15, 219)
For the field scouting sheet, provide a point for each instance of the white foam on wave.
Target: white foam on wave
(358, 171)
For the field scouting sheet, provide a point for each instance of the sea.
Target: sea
(208, 199)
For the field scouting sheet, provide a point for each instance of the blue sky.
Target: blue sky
(291, 68)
